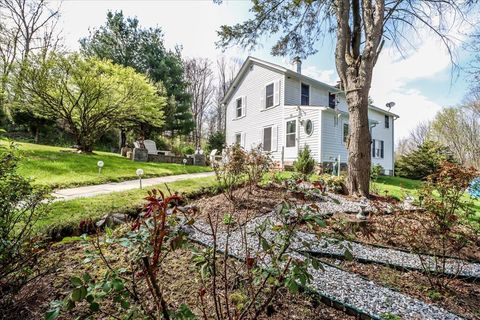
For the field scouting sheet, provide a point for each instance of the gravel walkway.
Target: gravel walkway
(347, 288)
(392, 257)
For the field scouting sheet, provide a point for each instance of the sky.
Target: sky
(420, 82)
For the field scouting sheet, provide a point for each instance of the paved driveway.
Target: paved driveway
(95, 190)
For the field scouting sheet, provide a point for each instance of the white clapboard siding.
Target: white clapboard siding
(332, 137)
(379, 132)
(252, 88)
(326, 141)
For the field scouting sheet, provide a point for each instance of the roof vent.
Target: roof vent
(297, 64)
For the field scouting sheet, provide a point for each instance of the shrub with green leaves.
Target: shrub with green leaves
(447, 209)
(423, 161)
(376, 171)
(20, 207)
(216, 141)
(158, 231)
(305, 163)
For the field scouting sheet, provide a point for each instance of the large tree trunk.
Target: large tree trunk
(358, 142)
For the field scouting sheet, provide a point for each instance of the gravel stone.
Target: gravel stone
(345, 287)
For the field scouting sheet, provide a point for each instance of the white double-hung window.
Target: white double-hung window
(239, 138)
(270, 96)
(240, 107)
(377, 149)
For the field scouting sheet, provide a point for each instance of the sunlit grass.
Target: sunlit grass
(63, 167)
(70, 213)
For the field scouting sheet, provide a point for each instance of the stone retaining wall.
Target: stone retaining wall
(168, 159)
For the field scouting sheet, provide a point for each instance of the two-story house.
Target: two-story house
(284, 111)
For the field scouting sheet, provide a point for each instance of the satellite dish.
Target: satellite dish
(390, 105)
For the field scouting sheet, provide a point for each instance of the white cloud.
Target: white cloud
(393, 77)
(328, 76)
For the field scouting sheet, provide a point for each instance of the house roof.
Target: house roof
(250, 60)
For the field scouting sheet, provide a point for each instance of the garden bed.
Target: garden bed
(396, 231)
(180, 281)
(461, 298)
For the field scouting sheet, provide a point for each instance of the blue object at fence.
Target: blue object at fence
(474, 188)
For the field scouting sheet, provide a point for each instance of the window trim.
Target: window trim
(380, 149)
(305, 127)
(309, 93)
(294, 133)
(242, 108)
(334, 101)
(273, 95)
(345, 136)
(271, 138)
(236, 135)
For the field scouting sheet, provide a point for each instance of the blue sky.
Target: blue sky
(420, 84)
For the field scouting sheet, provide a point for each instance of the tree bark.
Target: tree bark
(358, 143)
(123, 138)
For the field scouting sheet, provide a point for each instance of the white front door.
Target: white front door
(291, 143)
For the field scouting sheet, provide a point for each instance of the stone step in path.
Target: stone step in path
(390, 257)
(348, 289)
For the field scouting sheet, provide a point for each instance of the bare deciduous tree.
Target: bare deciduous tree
(200, 79)
(459, 129)
(226, 70)
(26, 27)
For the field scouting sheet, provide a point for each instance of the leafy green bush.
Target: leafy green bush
(447, 210)
(216, 141)
(158, 231)
(20, 207)
(334, 184)
(423, 161)
(305, 163)
(376, 171)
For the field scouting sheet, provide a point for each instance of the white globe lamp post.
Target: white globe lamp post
(100, 165)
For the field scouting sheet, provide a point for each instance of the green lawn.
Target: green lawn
(400, 187)
(396, 186)
(62, 167)
(70, 213)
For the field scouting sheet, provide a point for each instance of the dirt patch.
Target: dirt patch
(247, 205)
(461, 298)
(397, 230)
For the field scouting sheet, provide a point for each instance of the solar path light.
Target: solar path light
(139, 173)
(100, 165)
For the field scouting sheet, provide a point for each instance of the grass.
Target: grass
(62, 167)
(400, 187)
(396, 186)
(70, 213)
(393, 186)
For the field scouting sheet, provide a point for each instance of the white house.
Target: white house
(284, 111)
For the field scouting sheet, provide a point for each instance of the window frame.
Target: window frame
(241, 108)
(378, 147)
(345, 135)
(238, 134)
(273, 95)
(334, 95)
(306, 126)
(302, 84)
(294, 133)
(387, 121)
(271, 138)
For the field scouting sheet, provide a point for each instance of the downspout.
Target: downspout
(299, 117)
(393, 144)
